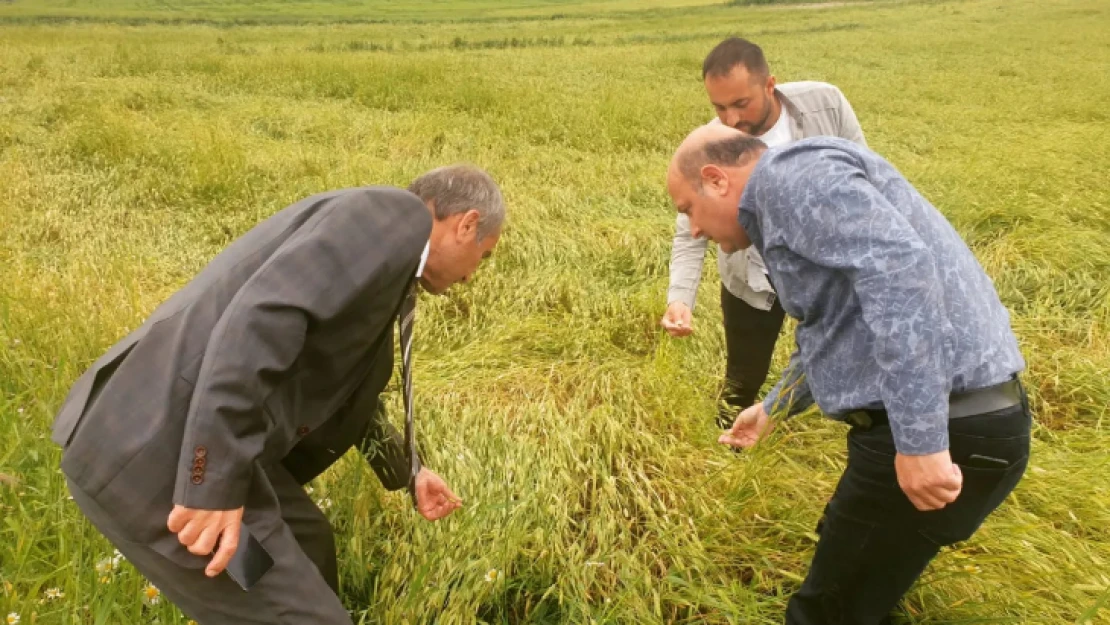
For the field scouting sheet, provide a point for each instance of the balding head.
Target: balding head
(706, 179)
(712, 144)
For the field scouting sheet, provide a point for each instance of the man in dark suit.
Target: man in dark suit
(257, 376)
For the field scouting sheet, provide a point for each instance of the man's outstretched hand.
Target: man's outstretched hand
(750, 427)
(434, 500)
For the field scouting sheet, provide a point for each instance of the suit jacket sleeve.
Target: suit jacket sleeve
(344, 251)
(384, 448)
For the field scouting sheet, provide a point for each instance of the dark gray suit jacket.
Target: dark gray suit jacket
(275, 352)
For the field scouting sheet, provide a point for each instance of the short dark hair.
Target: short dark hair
(732, 52)
(729, 152)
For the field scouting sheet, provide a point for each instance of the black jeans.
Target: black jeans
(750, 335)
(874, 544)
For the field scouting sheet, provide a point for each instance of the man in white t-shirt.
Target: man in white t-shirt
(746, 97)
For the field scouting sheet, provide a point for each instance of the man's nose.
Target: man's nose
(732, 117)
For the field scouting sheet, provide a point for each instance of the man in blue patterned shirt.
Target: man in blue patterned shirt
(900, 334)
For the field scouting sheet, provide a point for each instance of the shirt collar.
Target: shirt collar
(788, 106)
(423, 259)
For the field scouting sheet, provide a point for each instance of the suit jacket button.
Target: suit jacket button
(198, 470)
(302, 431)
(199, 463)
(198, 479)
(200, 451)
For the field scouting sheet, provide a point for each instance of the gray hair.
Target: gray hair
(455, 189)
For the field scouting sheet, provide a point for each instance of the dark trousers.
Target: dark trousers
(874, 544)
(750, 335)
(300, 588)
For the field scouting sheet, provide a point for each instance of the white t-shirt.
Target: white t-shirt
(779, 134)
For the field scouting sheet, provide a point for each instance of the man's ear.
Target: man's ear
(715, 178)
(467, 228)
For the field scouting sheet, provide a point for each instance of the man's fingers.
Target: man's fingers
(206, 542)
(931, 499)
(435, 499)
(229, 542)
(735, 441)
(676, 327)
(191, 532)
(440, 510)
(442, 507)
(447, 508)
(746, 419)
(738, 424)
(950, 487)
(918, 502)
(450, 496)
(922, 501)
(935, 498)
(946, 493)
(446, 500)
(744, 427)
(675, 330)
(179, 516)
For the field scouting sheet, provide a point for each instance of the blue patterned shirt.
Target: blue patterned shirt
(893, 309)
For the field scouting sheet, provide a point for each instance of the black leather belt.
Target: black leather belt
(962, 404)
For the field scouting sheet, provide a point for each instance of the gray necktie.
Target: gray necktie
(408, 314)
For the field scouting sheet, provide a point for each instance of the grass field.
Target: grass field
(138, 138)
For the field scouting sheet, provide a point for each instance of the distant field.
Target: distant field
(356, 10)
(137, 139)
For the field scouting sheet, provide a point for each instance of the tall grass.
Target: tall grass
(579, 435)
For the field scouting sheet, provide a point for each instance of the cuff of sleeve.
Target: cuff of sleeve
(686, 296)
(921, 436)
(206, 488)
(794, 403)
(770, 401)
